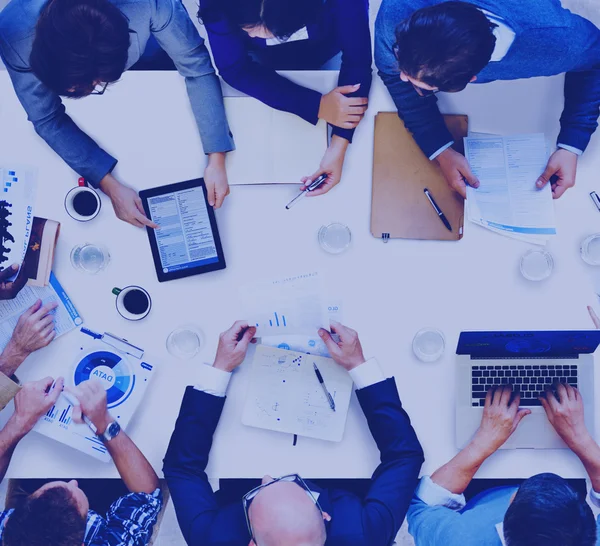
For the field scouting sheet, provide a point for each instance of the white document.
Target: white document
(289, 306)
(313, 344)
(272, 147)
(508, 200)
(285, 395)
(66, 316)
(17, 197)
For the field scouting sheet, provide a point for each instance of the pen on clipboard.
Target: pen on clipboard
(74, 402)
(316, 183)
(324, 387)
(595, 199)
(438, 210)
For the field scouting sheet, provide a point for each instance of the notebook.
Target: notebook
(399, 207)
(285, 395)
(281, 134)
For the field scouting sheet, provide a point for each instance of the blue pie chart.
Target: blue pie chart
(111, 370)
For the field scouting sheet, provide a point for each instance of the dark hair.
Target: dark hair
(78, 43)
(547, 510)
(49, 519)
(281, 17)
(445, 45)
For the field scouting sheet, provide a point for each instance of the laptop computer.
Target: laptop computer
(529, 361)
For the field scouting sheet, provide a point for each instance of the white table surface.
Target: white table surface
(389, 291)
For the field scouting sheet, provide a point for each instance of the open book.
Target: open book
(40, 251)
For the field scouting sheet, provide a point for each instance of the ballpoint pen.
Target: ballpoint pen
(438, 210)
(327, 393)
(311, 187)
(74, 402)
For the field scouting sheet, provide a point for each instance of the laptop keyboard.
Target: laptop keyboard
(529, 380)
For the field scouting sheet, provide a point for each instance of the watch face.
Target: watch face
(112, 430)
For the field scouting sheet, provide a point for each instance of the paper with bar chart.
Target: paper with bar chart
(291, 306)
(17, 197)
(58, 424)
(285, 395)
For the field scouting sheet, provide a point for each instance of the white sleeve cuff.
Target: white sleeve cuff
(595, 497)
(367, 374)
(442, 149)
(433, 494)
(576, 151)
(212, 380)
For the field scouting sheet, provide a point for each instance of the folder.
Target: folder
(399, 207)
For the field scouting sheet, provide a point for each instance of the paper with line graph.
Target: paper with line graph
(290, 306)
(17, 198)
(285, 395)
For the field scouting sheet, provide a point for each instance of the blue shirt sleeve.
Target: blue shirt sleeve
(579, 119)
(176, 34)
(420, 114)
(354, 36)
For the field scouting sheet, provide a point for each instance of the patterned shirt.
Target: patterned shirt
(129, 521)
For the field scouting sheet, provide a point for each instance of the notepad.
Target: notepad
(272, 147)
(285, 395)
(508, 200)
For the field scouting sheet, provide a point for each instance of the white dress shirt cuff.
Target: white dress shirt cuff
(442, 149)
(595, 497)
(212, 380)
(367, 374)
(576, 151)
(433, 494)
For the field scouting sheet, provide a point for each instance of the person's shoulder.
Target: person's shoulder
(18, 20)
(392, 12)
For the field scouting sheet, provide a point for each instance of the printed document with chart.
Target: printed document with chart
(508, 200)
(285, 395)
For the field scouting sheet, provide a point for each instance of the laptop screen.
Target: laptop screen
(547, 344)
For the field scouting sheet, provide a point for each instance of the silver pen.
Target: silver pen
(327, 393)
(311, 187)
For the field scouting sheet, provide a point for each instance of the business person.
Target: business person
(9, 289)
(77, 48)
(58, 513)
(251, 39)
(426, 46)
(33, 331)
(289, 510)
(543, 510)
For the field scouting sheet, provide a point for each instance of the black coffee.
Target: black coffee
(85, 203)
(136, 302)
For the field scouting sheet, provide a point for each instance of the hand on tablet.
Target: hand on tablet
(126, 202)
(215, 179)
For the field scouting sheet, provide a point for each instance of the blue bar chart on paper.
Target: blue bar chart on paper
(291, 306)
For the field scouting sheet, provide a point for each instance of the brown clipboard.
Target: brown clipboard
(399, 207)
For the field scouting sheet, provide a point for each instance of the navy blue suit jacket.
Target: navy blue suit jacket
(372, 521)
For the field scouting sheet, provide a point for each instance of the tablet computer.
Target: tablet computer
(187, 242)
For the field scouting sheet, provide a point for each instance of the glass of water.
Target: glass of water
(590, 249)
(90, 258)
(334, 238)
(185, 342)
(429, 344)
(536, 265)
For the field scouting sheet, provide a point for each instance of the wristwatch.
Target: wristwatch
(111, 431)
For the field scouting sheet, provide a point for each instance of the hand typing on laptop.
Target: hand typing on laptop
(542, 506)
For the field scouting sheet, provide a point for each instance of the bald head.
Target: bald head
(284, 515)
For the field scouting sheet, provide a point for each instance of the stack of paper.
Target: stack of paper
(508, 201)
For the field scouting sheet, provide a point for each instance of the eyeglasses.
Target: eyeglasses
(99, 89)
(424, 93)
(251, 495)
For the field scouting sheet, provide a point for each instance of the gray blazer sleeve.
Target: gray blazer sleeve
(47, 113)
(174, 31)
